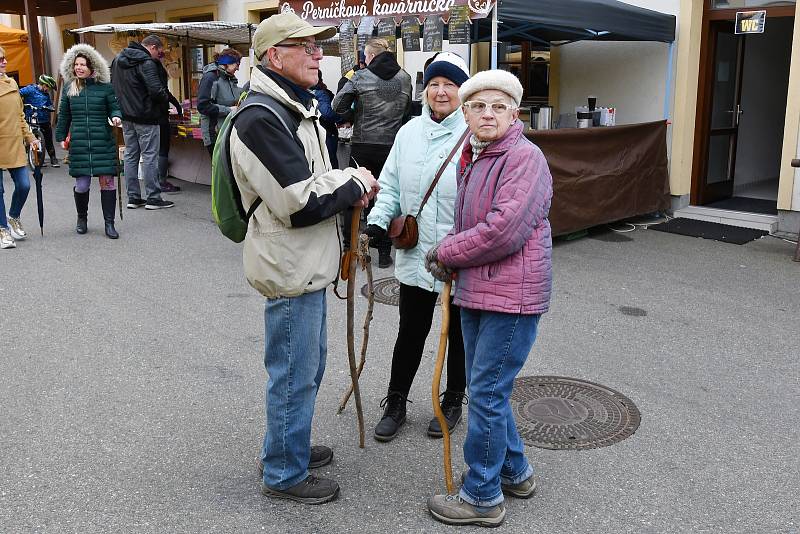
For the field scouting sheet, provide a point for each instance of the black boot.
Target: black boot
(82, 207)
(108, 199)
(394, 416)
(451, 408)
(384, 258)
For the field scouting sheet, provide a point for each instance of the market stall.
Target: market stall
(15, 43)
(623, 172)
(600, 174)
(184, 60)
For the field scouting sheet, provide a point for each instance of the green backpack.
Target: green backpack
(226, 200)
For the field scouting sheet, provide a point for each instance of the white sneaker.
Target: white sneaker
(15, 229)
(6, 241)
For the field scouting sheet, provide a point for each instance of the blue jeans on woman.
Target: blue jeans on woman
(22, 185)
(296, 348)
(496, 346)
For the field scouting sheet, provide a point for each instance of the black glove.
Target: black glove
(374, 231)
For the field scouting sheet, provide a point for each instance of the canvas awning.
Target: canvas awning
(15, 43)
(214, 32)
(548, 21)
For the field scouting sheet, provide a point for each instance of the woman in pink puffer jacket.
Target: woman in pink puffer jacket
(499, 251)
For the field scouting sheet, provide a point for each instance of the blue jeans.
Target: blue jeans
(141, 141)
(496, 346)
(22, 184)
(296, 342)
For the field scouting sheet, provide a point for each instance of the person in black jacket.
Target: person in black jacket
(164, 138)
(140, 83)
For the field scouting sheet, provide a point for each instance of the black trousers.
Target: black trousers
(373, 157)
(164, 138)
(416, 315)
(47, 134)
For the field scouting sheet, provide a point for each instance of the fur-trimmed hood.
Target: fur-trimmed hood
(102, 72)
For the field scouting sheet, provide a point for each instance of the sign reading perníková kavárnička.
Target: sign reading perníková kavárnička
(750, 21)
(321, 12)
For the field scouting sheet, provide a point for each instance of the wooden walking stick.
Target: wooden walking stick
(351, 351)
(437, 379)
(366, 265)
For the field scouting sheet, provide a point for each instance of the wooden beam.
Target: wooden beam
(85, 19)
(34, 38)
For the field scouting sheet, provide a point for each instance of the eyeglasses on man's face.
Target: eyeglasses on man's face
(310, 48)
(479, 106)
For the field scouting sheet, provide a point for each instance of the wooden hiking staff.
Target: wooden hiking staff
(350, 265)
(437, 379)
(366, 265)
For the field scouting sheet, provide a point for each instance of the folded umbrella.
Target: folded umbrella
(37, 178)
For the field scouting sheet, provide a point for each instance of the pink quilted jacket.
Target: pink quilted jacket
(500, 245)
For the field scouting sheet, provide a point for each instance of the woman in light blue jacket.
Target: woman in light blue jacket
(419, 150)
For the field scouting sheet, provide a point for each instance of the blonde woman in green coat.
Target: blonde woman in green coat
(87, 104)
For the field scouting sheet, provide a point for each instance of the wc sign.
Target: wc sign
(750, 21)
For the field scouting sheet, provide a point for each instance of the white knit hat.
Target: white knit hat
(500, 80)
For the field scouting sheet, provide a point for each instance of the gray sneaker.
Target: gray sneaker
(451, 509)
(312, 490)
(320, 456)
(521, 490)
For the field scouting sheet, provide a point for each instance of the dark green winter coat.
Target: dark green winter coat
(93, 147)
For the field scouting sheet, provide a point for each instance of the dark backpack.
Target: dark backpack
(226, 200)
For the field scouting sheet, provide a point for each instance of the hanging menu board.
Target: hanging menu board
(330, 47)
(410, 31)
(364, 32)
(458, 25)
(346, 49)
(432, 31)
(387, 30)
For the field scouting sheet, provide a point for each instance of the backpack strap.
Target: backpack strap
(284, 116)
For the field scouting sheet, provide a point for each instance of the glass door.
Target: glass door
(726, 111)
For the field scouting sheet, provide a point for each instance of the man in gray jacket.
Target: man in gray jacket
(381, 93)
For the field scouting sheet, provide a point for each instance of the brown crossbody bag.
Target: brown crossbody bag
(403, 229)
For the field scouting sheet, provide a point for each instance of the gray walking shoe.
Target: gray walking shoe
(312, 490)
(453, 510)
(320, 456)
(520, 490)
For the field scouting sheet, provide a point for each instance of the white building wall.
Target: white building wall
(630, 76)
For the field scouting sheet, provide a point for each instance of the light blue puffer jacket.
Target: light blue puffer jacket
(418, 151)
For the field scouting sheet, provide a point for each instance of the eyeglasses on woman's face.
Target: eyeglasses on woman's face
(3, 59)
(310, 48)
(478, 107)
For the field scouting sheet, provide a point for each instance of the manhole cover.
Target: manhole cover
(554, 412)
(387, 291)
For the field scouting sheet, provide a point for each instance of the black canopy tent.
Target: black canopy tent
(555, 21)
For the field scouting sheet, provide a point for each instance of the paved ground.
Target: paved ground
(132, 387)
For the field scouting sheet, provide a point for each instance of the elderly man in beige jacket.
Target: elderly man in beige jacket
(291, 251)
